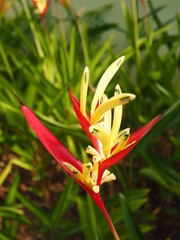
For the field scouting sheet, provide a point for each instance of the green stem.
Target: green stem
(33, 29)
(136, 32)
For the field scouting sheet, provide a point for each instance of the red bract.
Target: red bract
(84, 122)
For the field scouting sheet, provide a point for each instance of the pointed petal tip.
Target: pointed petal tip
(133, 96)
(120, 60)
(20, 102)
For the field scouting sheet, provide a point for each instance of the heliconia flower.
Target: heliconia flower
(4, 6)
(110, 145)
(64, 3)
(42, 6)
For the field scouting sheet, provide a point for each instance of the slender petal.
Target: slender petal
(122, 143)
(101, 134)
(117, 116)
(104, 81)
(115, 101)
(84, 89)
(107, 117)
(83, 121)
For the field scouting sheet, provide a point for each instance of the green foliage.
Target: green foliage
(39, 63)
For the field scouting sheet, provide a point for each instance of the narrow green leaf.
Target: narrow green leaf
(5, 173)
(38, 212)
(62, 203)
(130, 221)
(83, 213)
(11, 196)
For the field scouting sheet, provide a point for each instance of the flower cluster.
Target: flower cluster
(102, 126)
(42, 6)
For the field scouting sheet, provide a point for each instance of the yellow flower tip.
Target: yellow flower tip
(120, 99)
(84, 89)
(96, 189)
(86, 74)
(121, 60)
(128, 98)
(93, 130)
(117, 90)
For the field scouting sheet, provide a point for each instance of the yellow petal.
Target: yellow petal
(86, 170)
(75, 171)
(94, 174)
(104, 81)
(117, 117)
(84, 89)
(122, 142)
(120, 134)
(115, 101)
(99, 133)
(107, 116)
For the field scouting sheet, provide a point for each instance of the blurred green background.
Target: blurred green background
(38, 200)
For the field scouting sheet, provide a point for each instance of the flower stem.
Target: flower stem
(98, 200)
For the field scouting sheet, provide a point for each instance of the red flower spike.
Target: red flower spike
(51, 143)
(110, 144)
(61, 154)
(83, 121)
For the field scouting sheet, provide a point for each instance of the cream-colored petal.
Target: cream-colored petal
(100, 133)
(105, 173)
(117, 117)
(96, 189)
(108, 178)
(92, 151)
(115, 101)
(104, 81)
(84, 89)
